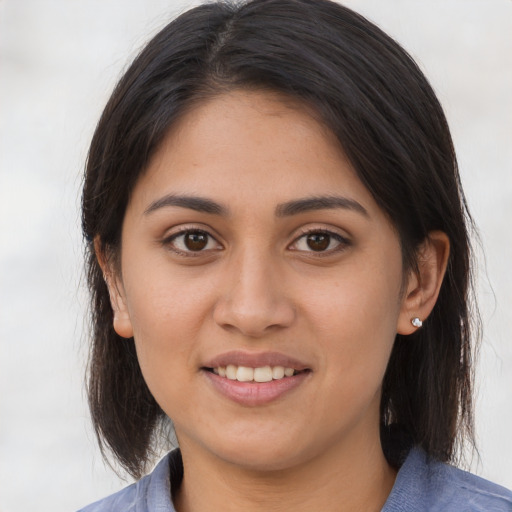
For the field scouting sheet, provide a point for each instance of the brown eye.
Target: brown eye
(322, 242)
(195, 240)
(192, 241)
(318, 241)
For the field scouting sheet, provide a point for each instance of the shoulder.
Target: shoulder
(151, 493)
(426, 484)
(450, 486)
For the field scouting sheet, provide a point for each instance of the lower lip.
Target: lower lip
(255, 393)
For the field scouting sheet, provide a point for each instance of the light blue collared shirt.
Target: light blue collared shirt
(422, 484)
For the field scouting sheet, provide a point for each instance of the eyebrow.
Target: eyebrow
(295, 207)
(199, 204)
(308, 204)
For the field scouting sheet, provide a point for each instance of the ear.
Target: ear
(424, 283)
(122, 321)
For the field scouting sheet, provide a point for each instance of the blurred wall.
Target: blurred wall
(58, 63)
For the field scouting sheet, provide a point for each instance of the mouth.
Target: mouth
(259, 374)
(251, 379)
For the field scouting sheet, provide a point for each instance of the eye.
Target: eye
(191, 240)
(320, 241)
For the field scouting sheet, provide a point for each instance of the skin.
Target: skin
(258, 286)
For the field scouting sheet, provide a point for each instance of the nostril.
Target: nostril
(253, 313)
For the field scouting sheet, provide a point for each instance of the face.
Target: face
(261, 283)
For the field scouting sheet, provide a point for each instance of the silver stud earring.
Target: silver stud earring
(416, 322)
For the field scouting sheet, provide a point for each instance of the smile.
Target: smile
(247, 374)
(254, 379)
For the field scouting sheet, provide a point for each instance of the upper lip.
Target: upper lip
(255, 360)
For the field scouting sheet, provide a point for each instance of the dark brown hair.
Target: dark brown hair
(374, 98)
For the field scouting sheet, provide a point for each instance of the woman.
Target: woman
(279, 262)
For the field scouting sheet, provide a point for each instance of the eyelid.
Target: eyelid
(179, 229)
(344, 241)
(167, 240)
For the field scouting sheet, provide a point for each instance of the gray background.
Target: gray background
(58, 63)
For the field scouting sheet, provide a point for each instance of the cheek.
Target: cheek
(356, 319)
(165, 303)
(165, 315)
(164, 341)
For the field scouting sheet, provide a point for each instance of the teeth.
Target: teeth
(263, 374)
(231, 371)
(246, 374)
(278, 372)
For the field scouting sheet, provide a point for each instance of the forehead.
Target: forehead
(248, 148)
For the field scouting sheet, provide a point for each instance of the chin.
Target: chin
(261, 460)
(261, 453)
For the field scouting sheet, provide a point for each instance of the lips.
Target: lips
(255, 379)
(256, 360)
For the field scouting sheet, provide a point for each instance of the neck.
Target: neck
(353, 477)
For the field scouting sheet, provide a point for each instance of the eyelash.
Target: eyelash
(168, 242)
(343, 242)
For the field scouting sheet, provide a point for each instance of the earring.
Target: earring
(416, 322)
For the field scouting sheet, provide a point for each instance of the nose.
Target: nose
(252, 299)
